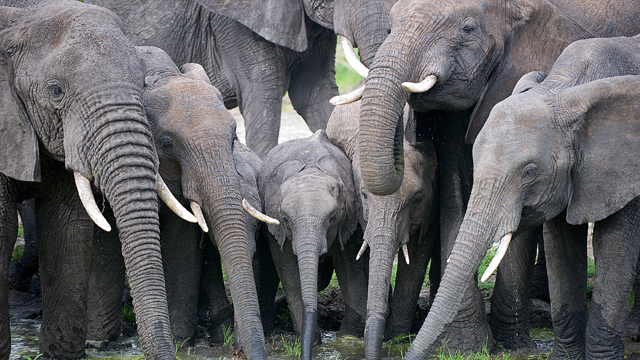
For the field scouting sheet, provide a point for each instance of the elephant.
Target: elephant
(452, 61)
(403, 220)
(72, 117)
(307, 185)
(256, 51)
(21, 271)
(560, 152)
(207, 167)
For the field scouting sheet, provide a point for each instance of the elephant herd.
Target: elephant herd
(505, 121)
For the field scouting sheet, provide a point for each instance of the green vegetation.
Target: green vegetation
(346, 78)
(229, 335)
(289, 347)
(29, 357)
(17, 252)
(127, 313)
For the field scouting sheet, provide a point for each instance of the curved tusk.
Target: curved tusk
(165, 194)
(422, 86)
(405, 251)
(89, 202)
(348, 98)
(352, 58)
(502, 250)
(197, 211)
(257, 214)
(362, 249)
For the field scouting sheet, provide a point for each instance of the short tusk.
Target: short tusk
(422, 86)
(405, 251)
(352, 58)
(362, 249)
(348, 98)
(502, 250)
(257, 214)
(165, 194)
(197, 211)
(89, 202)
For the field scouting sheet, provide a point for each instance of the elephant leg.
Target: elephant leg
(510, 304)
(616, 243)
(540, 288)
(106, 284)
(8, 233)
(409, 280)
(22, 270)
(313, 82)
(181, 260)
(633, 319)
(325, 272)
(267, 280)
(566, 247)
(470, 330)
(213, 294)
(352, 276)
(65, 235)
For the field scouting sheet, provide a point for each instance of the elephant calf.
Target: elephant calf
(307, 184)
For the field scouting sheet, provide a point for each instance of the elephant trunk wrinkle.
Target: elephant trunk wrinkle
(308, 258)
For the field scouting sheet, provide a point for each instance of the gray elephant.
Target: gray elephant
(403, 220)
(475, 53)
(255, 51)
(307, 185)
(205, 166)
(561, 151)
(72, 117)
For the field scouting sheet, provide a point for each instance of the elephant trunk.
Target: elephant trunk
(383, 246)
(308, 240)
(126, 176)
(226, 219)
(381, 129)
(477, 232)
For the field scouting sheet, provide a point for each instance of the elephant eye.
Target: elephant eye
(418, 198)
(56, 91)
(334, 217)
(468, 28)
(529, 171)
(166, 144)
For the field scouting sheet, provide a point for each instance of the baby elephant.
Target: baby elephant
(307, 185)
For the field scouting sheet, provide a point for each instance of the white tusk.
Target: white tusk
(257, 214)
(348, 98)
(502, 249)
(362, 249)
(405, 251)
(352, 58)
(165, 194)
(422, 86)
(89, 202)
(195, 208)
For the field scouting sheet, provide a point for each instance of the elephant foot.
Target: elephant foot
(352, 323)
(465, 338)
(515, 341)
(19, 277)
(221, 326)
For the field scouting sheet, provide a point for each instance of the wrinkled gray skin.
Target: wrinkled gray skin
(194, 137)
(580, 165)
(255, 51)
(307, 185)
(72, 100)
(477, 50)
(405, 217)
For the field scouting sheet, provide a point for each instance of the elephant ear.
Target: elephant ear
(606, 175)
(196, 72)
(528, 81)
(157, 64)
(279, 21)
(538, 34)
(19, 154)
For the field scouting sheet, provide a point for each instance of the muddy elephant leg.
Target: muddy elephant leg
(540, 287)
(8, 232)
(212, 292)
(352, 276)
(181, 260)
(267, 280)
(633, 319)
(22, 270)
(510, 304)
(409, 280)
(616, 242)
(470, 330)
(312, 82)
(566, 250)
(65, 235)
(106, 284)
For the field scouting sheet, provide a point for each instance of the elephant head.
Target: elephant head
(195, 139)
(463, 56)
(71, 88)
(307, 185)
(555, 144)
